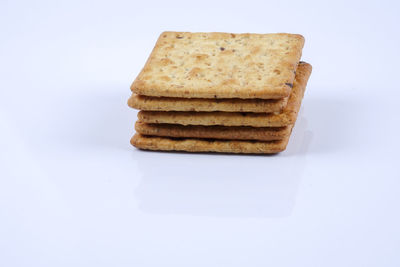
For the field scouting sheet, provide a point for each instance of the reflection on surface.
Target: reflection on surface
(223, 185)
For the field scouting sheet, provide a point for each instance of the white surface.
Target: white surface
(73, 192)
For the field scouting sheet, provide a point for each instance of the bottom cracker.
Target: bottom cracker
(200, 145)
(213, 132)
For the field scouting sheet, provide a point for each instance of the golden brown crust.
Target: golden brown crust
(221, 65)
(287, 117)
(214, 132)
(203, 145)
(152, 103)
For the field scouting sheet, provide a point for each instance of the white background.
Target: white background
(73, 192)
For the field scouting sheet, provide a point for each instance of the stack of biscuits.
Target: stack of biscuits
(220, 92)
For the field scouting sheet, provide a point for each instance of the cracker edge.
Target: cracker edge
(152, 103)
(199, 145)
(213, 132)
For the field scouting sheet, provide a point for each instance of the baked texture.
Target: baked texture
(153, 103)
(221, 65)
(287, 117)
(214, 132)
(203, 145)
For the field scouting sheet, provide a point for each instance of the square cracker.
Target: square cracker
(153, 103)
(221, 65)
(207, 145)
(287, 117)
(214, 132)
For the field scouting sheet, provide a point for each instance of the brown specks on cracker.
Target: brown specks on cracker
(166, 61)
(289, 84)
(200, 57)
(195, 72)
(222, 48)
(165, 78)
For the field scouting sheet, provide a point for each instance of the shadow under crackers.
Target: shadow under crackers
(331, 123)
(218, 185)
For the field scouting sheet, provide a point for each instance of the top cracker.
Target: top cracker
(221, 65)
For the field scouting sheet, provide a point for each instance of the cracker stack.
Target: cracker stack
(220, 92)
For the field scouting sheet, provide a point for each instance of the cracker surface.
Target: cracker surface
(221, 65)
